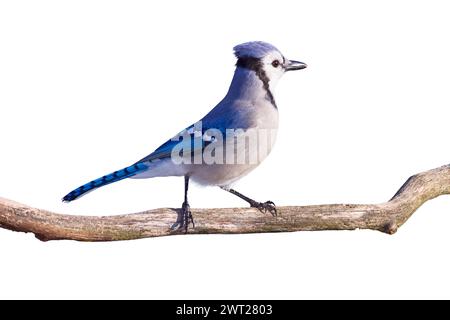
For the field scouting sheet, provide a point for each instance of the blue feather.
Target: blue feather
(103, 181)
(165, 150)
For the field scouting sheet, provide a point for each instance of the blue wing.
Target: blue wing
(193, 144)
(219, 118)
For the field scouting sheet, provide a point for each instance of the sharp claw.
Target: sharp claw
(191, 219)
(266, 206)
(187, 217)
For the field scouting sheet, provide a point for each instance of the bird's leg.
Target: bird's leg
(261, 206)
(186, 209)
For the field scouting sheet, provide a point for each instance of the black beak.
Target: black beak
(292, 65)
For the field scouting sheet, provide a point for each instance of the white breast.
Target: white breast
(247, 155)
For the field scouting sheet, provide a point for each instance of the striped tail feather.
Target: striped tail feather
(103, 181)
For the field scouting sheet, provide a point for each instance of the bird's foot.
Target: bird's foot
(265, 206)
(186, 216)
(184, 219)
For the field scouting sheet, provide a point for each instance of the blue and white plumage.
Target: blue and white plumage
(255, 49)
(248, 105)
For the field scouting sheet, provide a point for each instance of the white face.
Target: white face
(273, 67)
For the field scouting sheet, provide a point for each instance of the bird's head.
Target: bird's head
(266, 60)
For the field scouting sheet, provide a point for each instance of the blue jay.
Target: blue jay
(248, 105)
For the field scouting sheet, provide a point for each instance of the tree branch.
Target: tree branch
(386, 217)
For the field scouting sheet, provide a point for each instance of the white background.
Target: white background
(87, 87)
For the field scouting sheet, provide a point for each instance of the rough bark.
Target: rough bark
(386, 217)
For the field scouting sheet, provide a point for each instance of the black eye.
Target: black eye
(275, 63)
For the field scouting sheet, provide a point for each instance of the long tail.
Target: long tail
(103, 181)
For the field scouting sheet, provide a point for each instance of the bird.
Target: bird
(205, 152)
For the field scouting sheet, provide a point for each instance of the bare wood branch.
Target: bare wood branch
(386, 217)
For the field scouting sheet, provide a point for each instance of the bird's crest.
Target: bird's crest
(254, 49)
